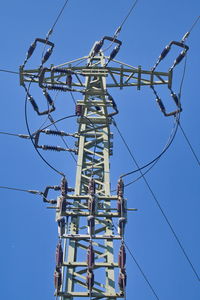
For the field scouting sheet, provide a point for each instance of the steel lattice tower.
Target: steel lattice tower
(91, 254)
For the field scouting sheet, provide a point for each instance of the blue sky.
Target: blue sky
(28, 229)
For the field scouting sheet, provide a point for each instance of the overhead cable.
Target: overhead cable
(191, 28)
(141, 271)
(28, 129)
(58, 17)
(8, 71)
(139, 267)
(170, 140)
(22, 190)
(163, 213)
(171, 228)
(53, 123)
(153, 195)
(25, 136)
(152, 163)
(125, 19)
(57, 121)
(127, 16)
(52, 28)
(189, 143)
(155, 160)
(118, 30)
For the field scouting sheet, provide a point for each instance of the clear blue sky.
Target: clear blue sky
(28, 229)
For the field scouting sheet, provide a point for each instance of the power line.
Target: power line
(142, 272)
(122, 24)
(163, 213)
(127, 16)
(172, 136)
(26, 100)
(28, 129)
(52, 121)
(52, 28)
(15, 134)
(171, 228)
(59, 120)
(73, 98)
(59, 15)
(21, 190)
(155, 160)
(54, 24)
(8, 71)
(194, 24)
(189, 144)
(139, 267)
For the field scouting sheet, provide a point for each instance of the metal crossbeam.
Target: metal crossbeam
(123, 76)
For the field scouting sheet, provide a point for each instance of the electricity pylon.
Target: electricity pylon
(89, 244)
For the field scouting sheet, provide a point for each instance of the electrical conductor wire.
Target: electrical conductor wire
(33, 192)
(188, 142)
(28, 129)
(127, 16)
(142, 272)
(16, 189)
(59, 15)
(52, 121)
(194, 24)
(166, 219)
(155, 160)
(139, 267)
(177, 117)
(122, 24)
(154, 196)
(8, 133)
(7, 71)
(59, 120)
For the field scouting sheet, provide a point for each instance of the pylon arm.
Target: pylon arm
(123, 76)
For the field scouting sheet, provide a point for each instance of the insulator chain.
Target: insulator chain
(35, 106)
(180, 57)
(62, 206)
(59, 262)
(57, 133)
(122, 262)
(49, 147)
(99, 45)
(56, 87)
(59, 255)
(63, 187)
(167, 50)
(32, 49)
(175, 98)
(91, 232)
(121, 228)
(57, 279)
